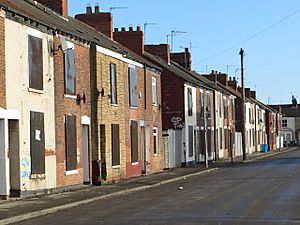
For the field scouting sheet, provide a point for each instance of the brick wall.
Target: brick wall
(65, 106)
(60, 6)
(2, 64)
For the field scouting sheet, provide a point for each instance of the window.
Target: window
(190, 102)
(132, 86)
(201, 104)
(115, 144)
(208, 105)
(191, 140)
(113, 84)
(220, 106)
(71, 142)
(70, 72)
(233, 110)
(155, 140)
(35, 59)
(37, 143)
(154, 94)
(284, 123)
(226, 138)
(225, 109)
(221, 138)
(134, 141)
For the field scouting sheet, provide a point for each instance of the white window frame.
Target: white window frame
(154, 93)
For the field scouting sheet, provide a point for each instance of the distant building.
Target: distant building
(290, 122)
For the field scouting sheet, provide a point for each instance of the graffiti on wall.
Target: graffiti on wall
(177, 122)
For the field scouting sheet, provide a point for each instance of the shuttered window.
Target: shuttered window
(35, 60)
(70, 72)
(37, 143)
(191, 140)
(134, 141)
(190, 102)
(113, 84)
(71, 142)
(132, 86)
(115, 144)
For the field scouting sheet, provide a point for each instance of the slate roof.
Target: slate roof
(45, 17)
(288, 110)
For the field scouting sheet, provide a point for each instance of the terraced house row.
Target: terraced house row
(83, 103)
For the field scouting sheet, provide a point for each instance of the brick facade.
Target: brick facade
(65, 106)
(60, 6)
(109, 114)
(2, 64)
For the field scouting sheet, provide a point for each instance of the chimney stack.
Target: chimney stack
(183, 58)
(100, 21)
(162, 51)
(59, 6)
(132, 39)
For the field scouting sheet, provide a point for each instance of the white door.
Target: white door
(85, 154)
(148, 149)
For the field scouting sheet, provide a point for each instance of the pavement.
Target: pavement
(16, 210)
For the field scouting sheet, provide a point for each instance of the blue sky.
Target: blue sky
(272, 59)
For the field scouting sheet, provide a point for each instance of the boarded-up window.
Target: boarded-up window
(191, 140)
(226, 138)
(221, 138)
(115, 144)
(154, 93)
(37, 143)
(113, 84)
(201, 104)
(71, 142)
(190, 102)
(155, 140)
(225, 109)
(134, 141)
(70, 72)
(132, 86)
(35, 59)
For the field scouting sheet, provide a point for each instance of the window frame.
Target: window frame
(190, 101)
(133, 102)
(154, 93)
(71, 148)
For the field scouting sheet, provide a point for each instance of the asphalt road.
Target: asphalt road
(262, 192)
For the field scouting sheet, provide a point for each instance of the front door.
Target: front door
(85, 154)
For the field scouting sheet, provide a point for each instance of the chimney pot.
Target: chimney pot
(89, 9)
(212, 71)
(130, 28)
(138, 28)
(123, 29)
(97, 8)
(116, 29)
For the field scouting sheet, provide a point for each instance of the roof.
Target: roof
(55, 23)
(179, 71)
(288, 110)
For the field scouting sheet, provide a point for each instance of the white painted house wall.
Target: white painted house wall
(189, 121)
(19, 97)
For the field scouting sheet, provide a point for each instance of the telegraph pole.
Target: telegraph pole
(242, 53)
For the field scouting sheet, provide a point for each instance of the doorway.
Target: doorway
(148, 150)
(85, 154)
(143, 149)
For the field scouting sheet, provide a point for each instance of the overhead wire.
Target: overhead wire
(249, 38)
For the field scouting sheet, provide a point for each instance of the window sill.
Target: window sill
(70, 96)
(135, 163)
(116, 167)
(155, 155)
(71, 172)
(154, 104)
(133, 107)
(114, 105)
(35, 91)
(37, 176)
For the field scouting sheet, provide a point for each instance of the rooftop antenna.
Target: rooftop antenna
(117, 7)
(173, 34)
(228, 66)
(190, 47)
(145, 26)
